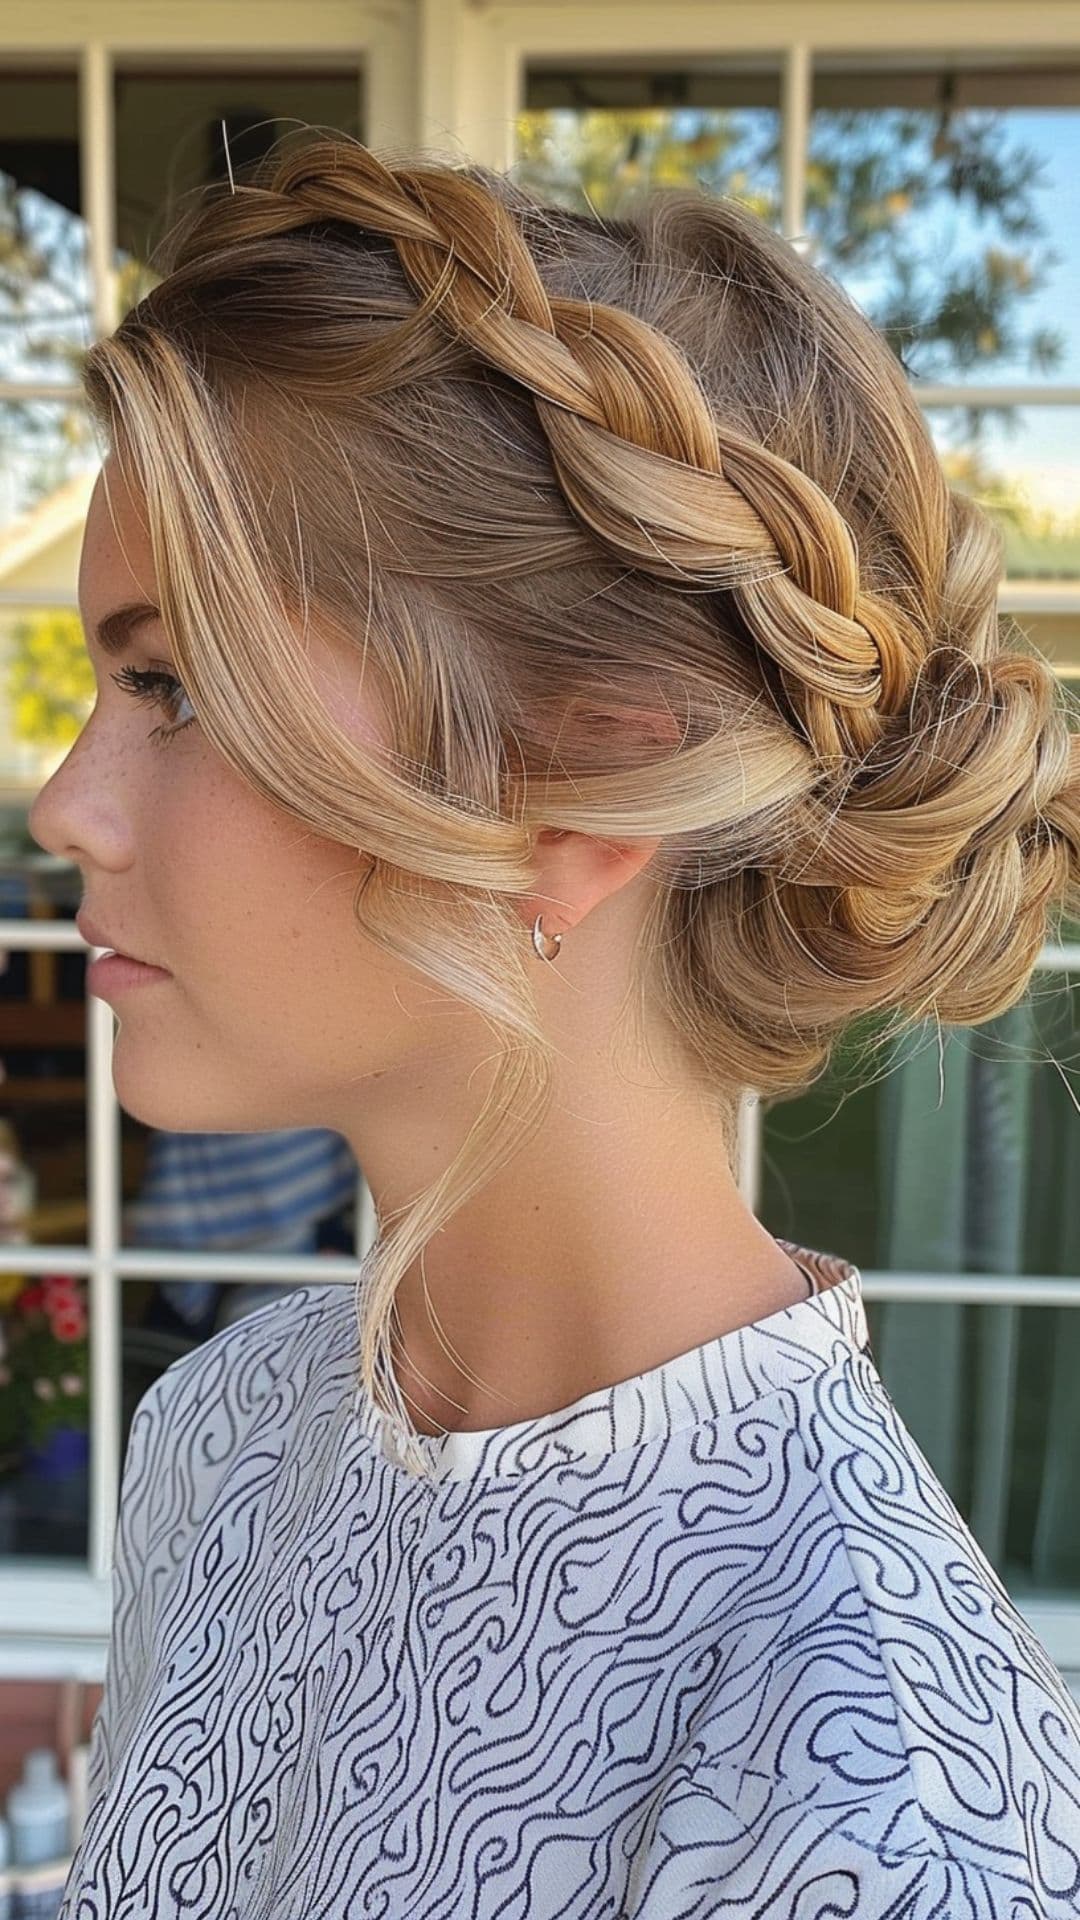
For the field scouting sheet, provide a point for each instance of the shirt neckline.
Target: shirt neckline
(723, 1376)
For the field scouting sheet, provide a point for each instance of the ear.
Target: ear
(576, 871)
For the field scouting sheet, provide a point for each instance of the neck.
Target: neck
(617, 1239)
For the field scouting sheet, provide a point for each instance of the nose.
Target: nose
(52, 819)
(74, 816)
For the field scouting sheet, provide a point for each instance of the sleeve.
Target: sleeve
(130, 1626)
(727, 1844)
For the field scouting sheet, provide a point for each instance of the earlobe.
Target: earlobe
(588, 870)
(542, 942)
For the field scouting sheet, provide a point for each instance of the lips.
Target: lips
(96, 937)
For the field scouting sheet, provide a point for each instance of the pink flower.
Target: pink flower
(59, 1286)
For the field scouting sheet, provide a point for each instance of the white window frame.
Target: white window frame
(447, 75)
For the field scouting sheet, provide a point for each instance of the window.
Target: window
(587, 136)
(882, 167)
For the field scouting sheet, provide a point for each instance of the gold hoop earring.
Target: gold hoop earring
(537, 936)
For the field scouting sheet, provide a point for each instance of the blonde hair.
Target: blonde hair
(641, 532)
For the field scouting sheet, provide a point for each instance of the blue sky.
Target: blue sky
(1042, 449)
(1049, 444)
(1045, 448)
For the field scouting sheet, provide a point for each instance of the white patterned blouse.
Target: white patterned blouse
(713, 1641)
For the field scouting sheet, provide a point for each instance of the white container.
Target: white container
(38, 1811)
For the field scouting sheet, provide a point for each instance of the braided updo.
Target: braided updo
(642, 533)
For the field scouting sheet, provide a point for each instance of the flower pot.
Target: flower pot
(63, 1451)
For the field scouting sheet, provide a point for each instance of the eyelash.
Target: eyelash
(148, 685)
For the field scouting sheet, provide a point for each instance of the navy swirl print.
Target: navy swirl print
(711, 1642)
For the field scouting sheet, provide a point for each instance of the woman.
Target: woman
(582, 698)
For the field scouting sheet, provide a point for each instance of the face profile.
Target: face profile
(275, 1012)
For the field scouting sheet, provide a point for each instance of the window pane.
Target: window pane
(291, 1191)
(43, 1049)
(169, 138)
(44, 1412)
(44, 1365)
(591, 135)
(1023, 463)
(944, 198)
(46, 679)
(963, 1157)
(45, 303)
(49, 458)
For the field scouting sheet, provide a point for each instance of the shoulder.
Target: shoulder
(770, 1851)
(239, 1403)
(265, 1376)
(913, 1715)
(247, 1359)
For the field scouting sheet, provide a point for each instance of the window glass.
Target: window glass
(45, 305)
(944, 199)
(588, 136)
(44, 1406)
(957, 1151)
(1023, 465)
(286, 1193)
(178, 127)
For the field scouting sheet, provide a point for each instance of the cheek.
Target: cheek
(258, 889)
(212, 866)
(256, 919)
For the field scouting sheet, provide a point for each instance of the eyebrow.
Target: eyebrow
(115, 629)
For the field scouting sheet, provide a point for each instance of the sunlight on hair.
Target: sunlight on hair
(637, 530)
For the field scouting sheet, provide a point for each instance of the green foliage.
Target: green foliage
(49, 681)
(879, 185)
(596, 157)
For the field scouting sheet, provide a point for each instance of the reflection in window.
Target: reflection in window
(944, 199)
(45, 302)
(49, 455)
(592, 137)
(1024, 467)
(45, 305)
(177, 130)
(958, 1152)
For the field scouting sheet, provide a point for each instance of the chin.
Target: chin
(168, 1096)
(177, 1090)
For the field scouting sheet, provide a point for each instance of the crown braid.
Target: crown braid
(650, 467)
(637, 450)
(550, 524)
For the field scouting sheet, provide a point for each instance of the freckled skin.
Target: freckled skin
(617, 1239)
